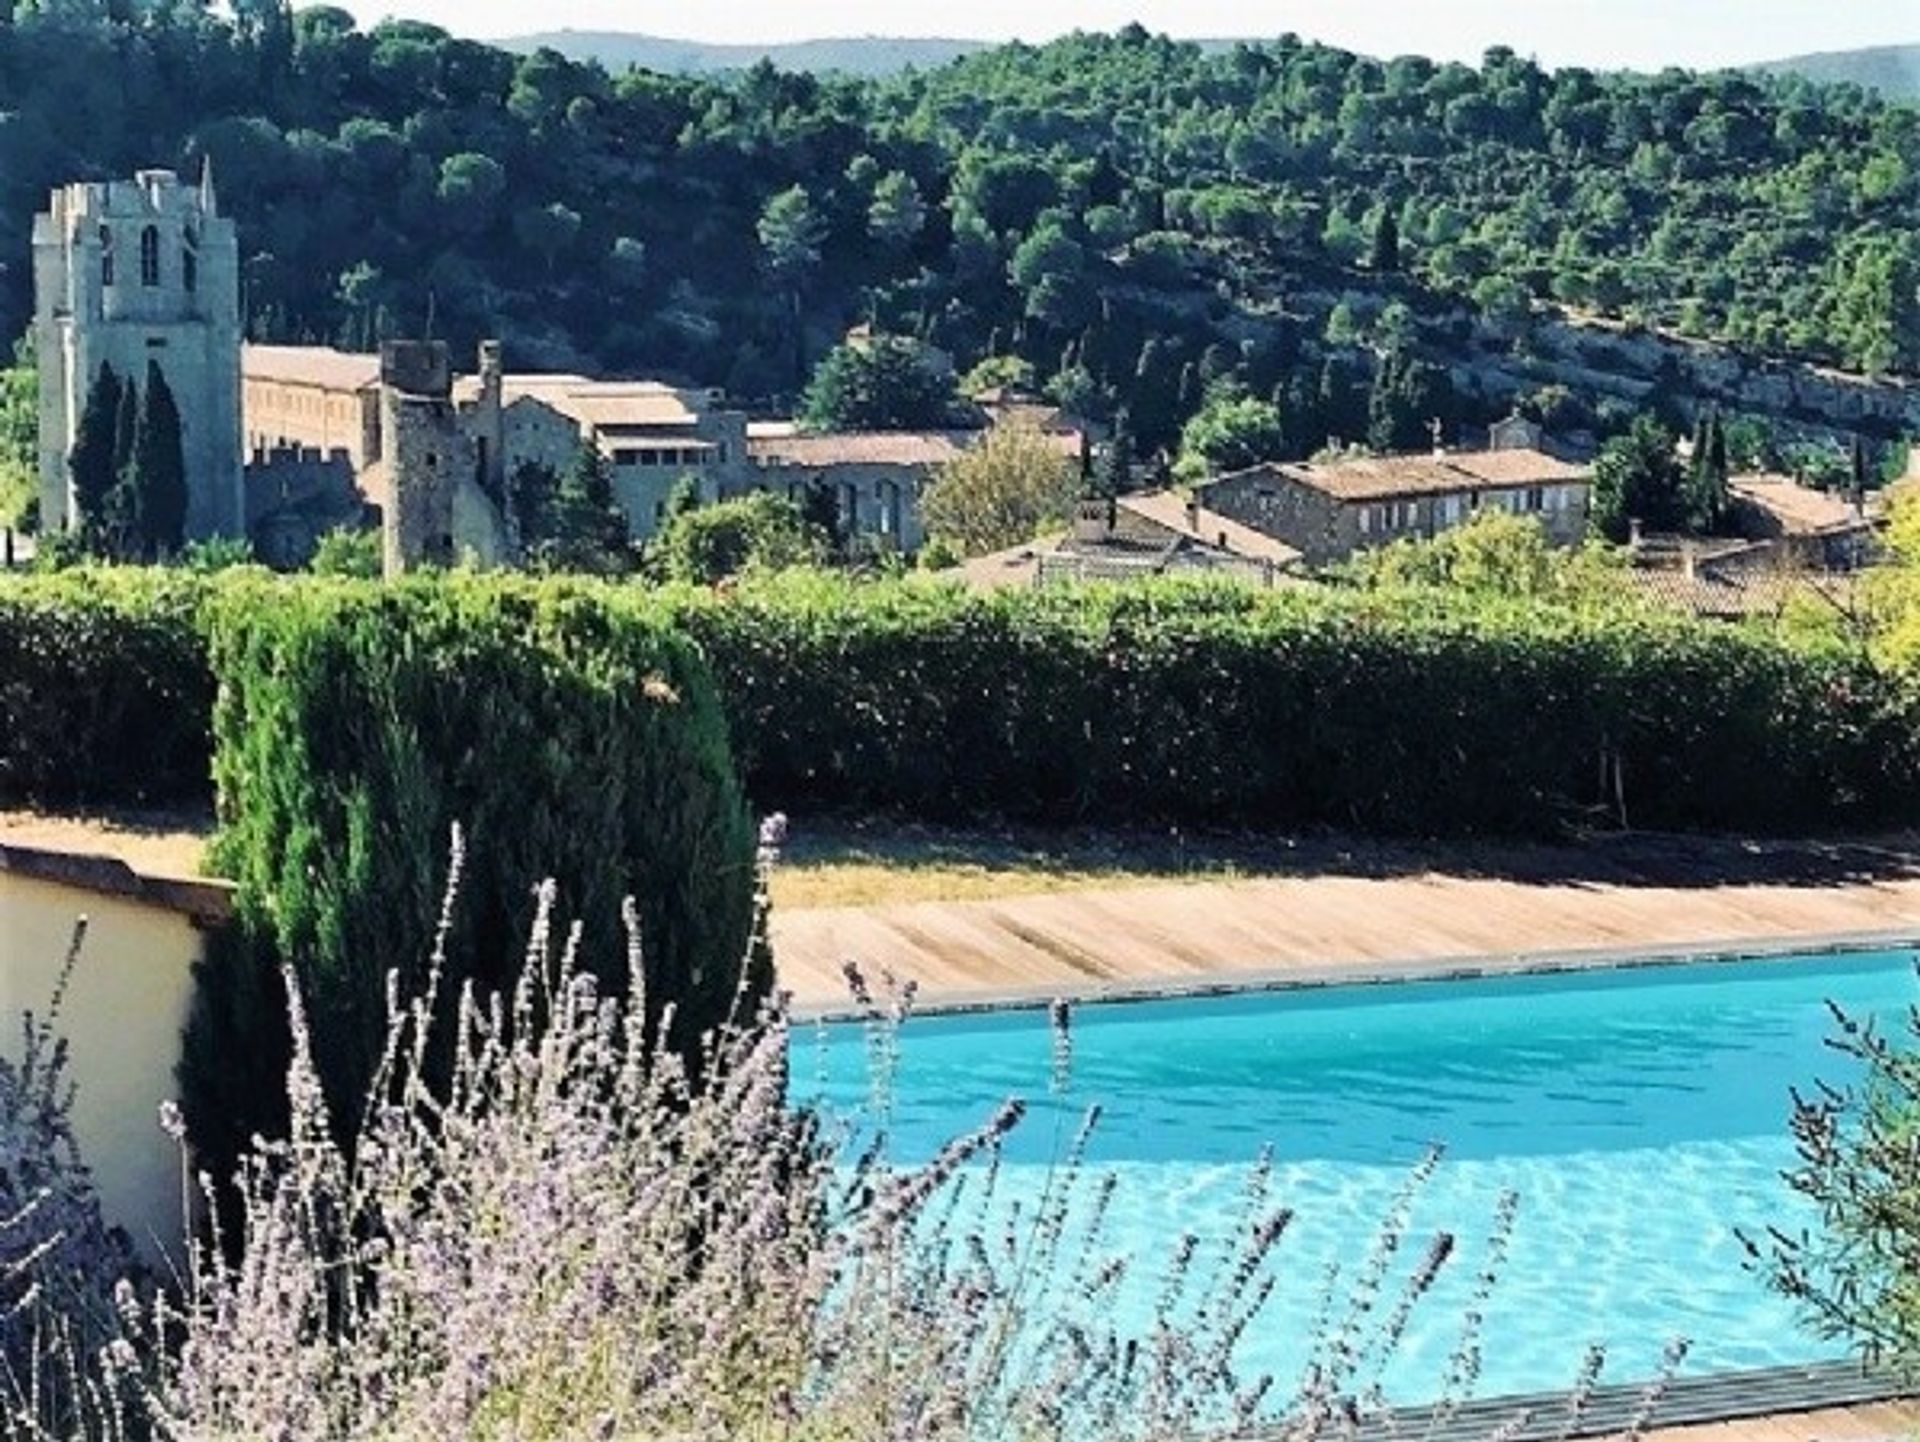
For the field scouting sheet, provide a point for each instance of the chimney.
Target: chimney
(1093, 521)
(1193, 514)
(1689, 560)
(1636, 537)
(1439, 431)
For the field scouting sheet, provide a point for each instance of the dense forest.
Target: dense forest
(1143, 222)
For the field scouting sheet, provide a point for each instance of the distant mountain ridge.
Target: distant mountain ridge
(1893, 70)
(850, 55)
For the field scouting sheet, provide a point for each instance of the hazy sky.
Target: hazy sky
(1641, 33)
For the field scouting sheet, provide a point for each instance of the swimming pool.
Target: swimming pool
(1640, 1114)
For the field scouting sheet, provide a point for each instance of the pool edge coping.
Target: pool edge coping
(1373, 972)
(1683, 1401)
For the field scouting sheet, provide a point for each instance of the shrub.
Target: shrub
(345, 551)
(1856, 1277)
(1406, 710)
(1005, 488)
(571, 734)
(762, 531)
(104, 688)
(1216, 704)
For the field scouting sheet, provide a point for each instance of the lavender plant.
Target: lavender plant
(59, 1260)
(563, 1237)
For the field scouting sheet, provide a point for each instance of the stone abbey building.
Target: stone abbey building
(283, 444)
(128, 272)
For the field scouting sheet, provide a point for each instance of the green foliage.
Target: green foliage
(998, 371)
(1402, 404)
(568, 732)
(1498, 554)
(347, 553)
(19, 439)
(1384, 250)
(584, 529)
(104, 688)
(1006, 488)
(758, 532)
(92, 460)
(1389, 709)
(1217, 704)
(1708, 501)
(158, 469)
(1231, 432)
(791, 233)
(1638, 477)
(885, 383)
(216, 553)
(898, 212)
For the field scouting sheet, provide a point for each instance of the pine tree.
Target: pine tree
(159, 470)
(91, 461)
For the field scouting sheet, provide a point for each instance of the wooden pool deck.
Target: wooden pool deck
(1370, 921)
(1819, 1402)
(1874, 1422)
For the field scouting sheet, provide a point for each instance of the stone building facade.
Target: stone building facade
(1330, 512)
(652, 435)
(874, 479)
(311, 399)
(333, 437)
(130, 273)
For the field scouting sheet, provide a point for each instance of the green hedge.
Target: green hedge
(105, 695)
(567, 729)
(1207, 704)
(1178, 703)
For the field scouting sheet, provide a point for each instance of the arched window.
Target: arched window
(189, 269)
(106, 256)
(150, 256)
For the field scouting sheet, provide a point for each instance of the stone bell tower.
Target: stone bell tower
(131, 273)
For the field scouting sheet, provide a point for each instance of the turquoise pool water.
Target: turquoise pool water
(1639, 1114)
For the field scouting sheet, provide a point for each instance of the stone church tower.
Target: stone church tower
(128, 272)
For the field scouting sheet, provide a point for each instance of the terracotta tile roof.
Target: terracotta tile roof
(1517, 467)
(1168, 509)
(845, 448)
(609, 404)
(1015, 566)
(1800, 510)
(310, 365)
(1373, 478)
(1734, 595)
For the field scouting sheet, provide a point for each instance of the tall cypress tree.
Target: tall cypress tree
(91, 462)
(1385, 255)
(1113, 475)
(159, 468)
(120, 529)
(1707, 497)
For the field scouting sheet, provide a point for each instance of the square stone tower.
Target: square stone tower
(128, 272)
